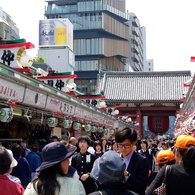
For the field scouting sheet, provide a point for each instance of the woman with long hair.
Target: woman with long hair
(52, 178)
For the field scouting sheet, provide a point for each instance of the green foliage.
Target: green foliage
(39, 59)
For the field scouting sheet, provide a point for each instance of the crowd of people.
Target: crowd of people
(81, 166)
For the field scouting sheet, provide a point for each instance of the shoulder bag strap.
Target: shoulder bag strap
(167, 171)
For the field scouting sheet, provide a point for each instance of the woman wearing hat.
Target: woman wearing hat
(181, 177)
(52, 179)
(165, 157)
(7, 186)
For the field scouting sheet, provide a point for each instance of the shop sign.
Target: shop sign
(12, 54)
(56, 83)
(98, 118)
(35, 99)
(84, 114)
(109, 122)
(11, 91)
(56, 105)
(88, 116)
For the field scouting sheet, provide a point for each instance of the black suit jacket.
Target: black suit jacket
(79, 162)
(138, 169)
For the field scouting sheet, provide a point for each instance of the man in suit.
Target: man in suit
(137, 167)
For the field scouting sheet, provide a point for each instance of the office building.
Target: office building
(8, 29)
(137, 55)
(101, 34)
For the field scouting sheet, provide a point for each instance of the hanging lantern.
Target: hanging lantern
(111, 131)
(87, 127)
(105, 131)
(93, 129)
(76, 126)
(158, 124)
(6, 115)
(52, 122)
(66, 123)
(100, 129)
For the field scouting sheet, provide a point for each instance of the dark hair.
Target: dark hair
(46, 183)
(5, 160)
(144, 142)
(17, 150)
(170, 143)
(34, 148)
(188, 158)
(154, 145)
(84, 138)
(172, 162)
(97, 143)
(126, 133)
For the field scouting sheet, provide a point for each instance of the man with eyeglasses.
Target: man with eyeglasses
(137, 168)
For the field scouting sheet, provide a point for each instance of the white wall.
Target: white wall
(59, 59)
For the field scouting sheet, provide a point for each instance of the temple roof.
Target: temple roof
(159, 86)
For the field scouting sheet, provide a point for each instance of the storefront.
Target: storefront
(31, 109)
(185, 119)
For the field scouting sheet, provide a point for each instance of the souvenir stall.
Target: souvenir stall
(185, 119)
(32, 109)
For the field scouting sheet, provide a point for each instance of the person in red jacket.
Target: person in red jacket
(7, 187)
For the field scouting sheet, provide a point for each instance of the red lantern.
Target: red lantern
(158, 124)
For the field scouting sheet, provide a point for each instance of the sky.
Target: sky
(170, 28)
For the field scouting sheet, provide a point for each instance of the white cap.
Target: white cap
(14, 162)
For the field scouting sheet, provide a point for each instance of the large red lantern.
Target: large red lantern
(158, 124)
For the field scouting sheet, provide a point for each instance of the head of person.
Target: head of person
(149, 141)
(114, 146)
(184, 150)
(144, 144)
(34, 148)
(84, 142)
(126, 140)
(17, 150)
(109, 168)
(165, 157)
(97, 146)
(104, 142)
(54, 138)
(55, 162)
(154, 146)
(55, 154)
(5, 160)
(73, 141)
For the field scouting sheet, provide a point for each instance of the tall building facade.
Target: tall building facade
(101, 36)
(8, 29)
(137, 56)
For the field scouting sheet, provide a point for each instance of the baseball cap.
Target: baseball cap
(165, 156)
(184, 141)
